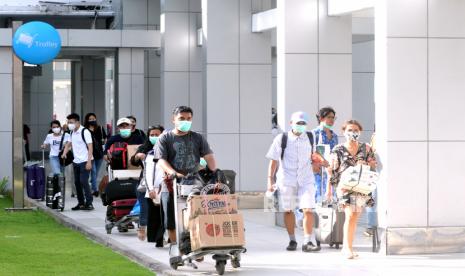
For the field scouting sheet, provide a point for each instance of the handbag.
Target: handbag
(69, 156)
(360, 179)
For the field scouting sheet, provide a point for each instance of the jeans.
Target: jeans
(55, 165)
(372, 212)
(143, 208)
(96, 164)
(81, 181)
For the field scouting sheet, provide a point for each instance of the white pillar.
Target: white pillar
(181, 65)
(131, 83)
(237, 89)
(420, 78)
(314, 60)
(6, 129)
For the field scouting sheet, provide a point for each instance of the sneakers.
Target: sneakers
(88, 207)
(78, 207)
(292, 246)
(174, 250)
(368, 232)
(310, 247)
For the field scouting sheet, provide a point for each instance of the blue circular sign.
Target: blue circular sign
(36, 42)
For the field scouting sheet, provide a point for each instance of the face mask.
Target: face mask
(352, 136)
(325, 125)
(153, 139)
(71, 127)
(56, 130)
(92, 123)
(125, 133)
(183, 126)
(299, 128)
(203, 163)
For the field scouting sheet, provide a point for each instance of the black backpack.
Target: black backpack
(284, 142)
(97, 150)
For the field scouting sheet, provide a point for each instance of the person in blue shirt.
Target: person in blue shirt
(323, 135)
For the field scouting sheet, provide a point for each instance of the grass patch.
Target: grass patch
(32, 243)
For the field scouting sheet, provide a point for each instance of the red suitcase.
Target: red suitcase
(121, 208)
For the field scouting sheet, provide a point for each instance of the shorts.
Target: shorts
(167, 203)
(291, 198)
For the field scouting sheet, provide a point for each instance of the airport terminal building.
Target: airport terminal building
(394, 64)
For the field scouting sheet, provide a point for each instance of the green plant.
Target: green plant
(3, 185)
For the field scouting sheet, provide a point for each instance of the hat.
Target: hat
(124, 121)
(299, 116)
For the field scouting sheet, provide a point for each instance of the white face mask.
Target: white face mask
(56, 130)
(71, 127)
(352, 135)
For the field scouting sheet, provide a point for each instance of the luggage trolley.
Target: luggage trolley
(119, 206)
(221, 254)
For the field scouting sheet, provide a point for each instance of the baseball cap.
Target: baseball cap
(299, 116)
(124, 121)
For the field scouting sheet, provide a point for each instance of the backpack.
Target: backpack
(119, 156)
(284, 142)
(97, 151)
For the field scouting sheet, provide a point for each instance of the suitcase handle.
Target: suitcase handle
(43, 158)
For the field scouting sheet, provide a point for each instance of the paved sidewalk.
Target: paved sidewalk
(266, 254)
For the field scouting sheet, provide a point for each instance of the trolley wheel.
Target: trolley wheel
(220, 265)
(330, 244)
(235, 263)
(318, 243)
(62, 209)
(174, 262)
(337, 246)
(123, 229)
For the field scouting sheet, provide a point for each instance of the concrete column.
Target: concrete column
(181, 59)
(93, 87)
(314, 60)
(237, 88)
(363, 88)
(420, 78)
(131, 98)
(6, 129)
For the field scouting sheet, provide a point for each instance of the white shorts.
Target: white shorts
(291, 197)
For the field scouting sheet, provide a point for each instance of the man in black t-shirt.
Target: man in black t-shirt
(179, 152)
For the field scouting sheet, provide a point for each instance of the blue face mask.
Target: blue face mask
(125, 133)
(153, 139)
(203, 163)
(299, 128)
(183, 126)
(325, 125)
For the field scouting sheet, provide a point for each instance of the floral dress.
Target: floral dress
(343, 159)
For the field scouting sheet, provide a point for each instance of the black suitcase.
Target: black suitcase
(55, 192)
(120, 189)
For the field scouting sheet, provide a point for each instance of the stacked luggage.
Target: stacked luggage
(207, 221)
(55, 192)
(119, 194)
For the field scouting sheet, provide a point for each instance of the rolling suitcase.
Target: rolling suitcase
(121, 208)
(55, 198)
(329, 222)
(35, 180)
(120, 189)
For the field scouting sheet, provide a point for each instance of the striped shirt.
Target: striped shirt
(295, 169)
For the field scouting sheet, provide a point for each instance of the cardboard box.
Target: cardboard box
(215, 231)
(211, 204)
(131, 152)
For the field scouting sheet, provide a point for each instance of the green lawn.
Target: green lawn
(32, 243)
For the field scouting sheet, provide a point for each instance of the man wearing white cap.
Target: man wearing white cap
(125, 130)
(292, 152)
